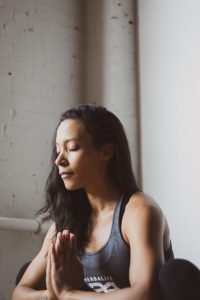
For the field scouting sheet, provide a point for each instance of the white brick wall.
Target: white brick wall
(40, 77)
(111, 63)
(50, 58)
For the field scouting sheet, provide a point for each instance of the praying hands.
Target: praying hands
(64, 271)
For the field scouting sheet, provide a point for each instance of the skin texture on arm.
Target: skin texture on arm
(143, 229)
(32, 285)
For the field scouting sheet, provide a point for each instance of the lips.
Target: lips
(66, 174)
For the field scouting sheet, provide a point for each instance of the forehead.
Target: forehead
(71, 129)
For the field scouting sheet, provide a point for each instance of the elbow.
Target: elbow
(145, 292)
(15, 293)
(19, 292)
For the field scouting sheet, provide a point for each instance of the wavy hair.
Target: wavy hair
(71, 209)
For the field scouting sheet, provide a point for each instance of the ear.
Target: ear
(107, 152)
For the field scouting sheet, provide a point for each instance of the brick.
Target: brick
(16, 67)
(21, 5)
(33, 24)
(33, 38)
(5, 49)
(12, 33)
(67, 95)
(32, 88)
(5, 81)
(6, 15)
(6, 99)
(66, 34)
(30, 52)
(43, 10)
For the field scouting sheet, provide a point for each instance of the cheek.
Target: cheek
(84, 163)
(79, 161)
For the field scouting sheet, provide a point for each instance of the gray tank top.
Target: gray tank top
(108, 269)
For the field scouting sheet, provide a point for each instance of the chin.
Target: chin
(72, 187)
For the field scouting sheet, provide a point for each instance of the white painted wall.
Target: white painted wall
(110, 64)
(169, 33)
(40, 77)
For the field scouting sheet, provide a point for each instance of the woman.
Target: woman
(108, 240)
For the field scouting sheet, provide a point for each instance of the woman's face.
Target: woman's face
(80, 164)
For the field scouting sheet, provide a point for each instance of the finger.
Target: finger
(57, 241)
(53, 265)
(72, 243)
(48, 269)
(67, 249)
(74, 247)
(65, 231)
(65, 236)
(59, 248)
(53, 258)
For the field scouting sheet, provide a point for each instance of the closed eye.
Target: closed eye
(74, 149)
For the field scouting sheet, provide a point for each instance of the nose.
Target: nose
(61, 159)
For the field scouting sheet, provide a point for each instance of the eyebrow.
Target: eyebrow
(68, 140)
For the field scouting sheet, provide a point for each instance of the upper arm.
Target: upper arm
(34, 276)
(143, 228)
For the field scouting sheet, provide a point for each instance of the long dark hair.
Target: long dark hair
(71, 209)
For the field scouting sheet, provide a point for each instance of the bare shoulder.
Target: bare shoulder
(141, 203)
(142, 214)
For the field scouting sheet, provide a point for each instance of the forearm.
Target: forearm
(132, 293)
(26, 293)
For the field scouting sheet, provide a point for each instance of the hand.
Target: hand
(66, 271)
(50, 291)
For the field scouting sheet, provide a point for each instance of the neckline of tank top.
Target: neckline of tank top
(123, 199)
(88, 253)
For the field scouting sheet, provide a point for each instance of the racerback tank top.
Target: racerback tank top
(108, 268)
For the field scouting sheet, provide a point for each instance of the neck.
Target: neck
(103, 196)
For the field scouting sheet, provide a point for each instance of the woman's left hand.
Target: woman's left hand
(64, 270)
(50, 290)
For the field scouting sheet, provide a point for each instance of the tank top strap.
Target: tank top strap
(119, 211)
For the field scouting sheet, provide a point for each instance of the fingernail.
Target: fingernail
(66, 232)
